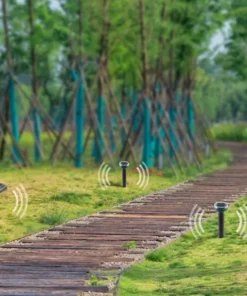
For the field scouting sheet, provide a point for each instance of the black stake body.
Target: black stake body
(124, 177)
(124, 165)
(2, 188)
(221, 207)
(221, 219)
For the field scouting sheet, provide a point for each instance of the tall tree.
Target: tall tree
(35, 105)
(235, 58)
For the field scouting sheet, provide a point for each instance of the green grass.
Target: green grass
(230, 132)
(53, 216)
(94, 281)
(205, 267)
(129, 245)
(59, 194)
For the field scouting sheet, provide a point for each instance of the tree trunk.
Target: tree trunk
(10, 98)
(9, 62)
(147, 149)
(36, 116)
(6, 34)
(143, 48)
(103, 64)
(80, 14)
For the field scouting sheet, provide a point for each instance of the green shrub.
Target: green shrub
(53, 217)
(230, 132)
(156, 256)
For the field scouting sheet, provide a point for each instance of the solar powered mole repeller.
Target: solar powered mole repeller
(221, 207)
(124, 165)
(2, 188)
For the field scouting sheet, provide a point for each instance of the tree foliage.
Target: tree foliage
(235, 58)
(177, 34)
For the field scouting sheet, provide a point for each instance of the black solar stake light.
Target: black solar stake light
(221, 207)
(124, 165)
(2, 188)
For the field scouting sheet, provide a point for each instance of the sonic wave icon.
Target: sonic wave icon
(195, 221)
(21, 201)
(242, 227)
(103, 175)
(144, 175)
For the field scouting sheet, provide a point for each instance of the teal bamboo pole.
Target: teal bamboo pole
(191, 118)
(147, 133)
(135, 111)
(179, 101)
(99, 149)
(112, 138)
(37, 134)
(80, 102)
(172, 117)
(157, 141)
(159, 150)
(124, 114)
(14, 121)
(153, 128)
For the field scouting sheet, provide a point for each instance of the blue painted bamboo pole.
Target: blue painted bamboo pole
(37, 134)
(172, 117)
(157, 140)
(152, 138)
(80, 98)
(14, 120)
(99, 145)
(191, 118)
(147, 134)
(179, 99)
(135, 111)
(112, 138)
(123, 113)
(159, 150)
(157, 122)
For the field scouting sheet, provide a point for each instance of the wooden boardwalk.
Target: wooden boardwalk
(61, 261)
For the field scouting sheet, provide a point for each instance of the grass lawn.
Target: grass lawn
(205, 267)
(61, 193)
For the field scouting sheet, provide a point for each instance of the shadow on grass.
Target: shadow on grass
(72, 197)
(116, 184)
